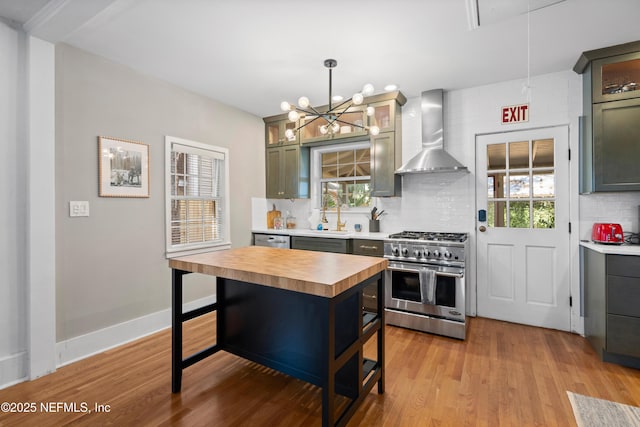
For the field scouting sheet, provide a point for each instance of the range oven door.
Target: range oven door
(426, 289)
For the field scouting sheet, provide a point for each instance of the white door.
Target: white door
(522, 183)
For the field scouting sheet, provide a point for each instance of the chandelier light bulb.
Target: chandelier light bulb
(293, 115)
(303, 102)
(357, 98)
(335, 127)
(367, 89)
(285, 106)
(323, 129)
(289, 134)
(374, 130)
(370, 111)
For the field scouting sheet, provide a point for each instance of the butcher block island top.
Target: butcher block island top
(316, 273)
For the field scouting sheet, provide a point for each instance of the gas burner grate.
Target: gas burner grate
(431, 236)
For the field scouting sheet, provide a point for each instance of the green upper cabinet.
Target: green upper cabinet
(287, 172)
(610, 127)
(385, 115)
(347, 126)
(616, 77)
(385, 159)
(287, 160)
(275, 130)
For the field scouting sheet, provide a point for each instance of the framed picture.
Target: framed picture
(123, 168)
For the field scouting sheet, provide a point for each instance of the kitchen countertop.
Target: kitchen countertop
(317, 273)
(624, 249)
(350, 234)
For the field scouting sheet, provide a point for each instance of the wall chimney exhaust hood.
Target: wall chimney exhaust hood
(432, 158)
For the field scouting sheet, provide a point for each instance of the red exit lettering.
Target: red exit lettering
(515, 113)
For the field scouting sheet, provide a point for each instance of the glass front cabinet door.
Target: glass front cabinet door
(275, 133)
(616, 77)
(346, 125)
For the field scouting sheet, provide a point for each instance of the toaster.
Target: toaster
(607, 233)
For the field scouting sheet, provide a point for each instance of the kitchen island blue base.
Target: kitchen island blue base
(316, 339)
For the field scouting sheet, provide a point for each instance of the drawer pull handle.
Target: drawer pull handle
(368, 247)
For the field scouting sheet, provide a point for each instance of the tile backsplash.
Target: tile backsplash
(622, 208)
(429, 202)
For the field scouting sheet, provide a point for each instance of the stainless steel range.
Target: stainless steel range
(425, 282)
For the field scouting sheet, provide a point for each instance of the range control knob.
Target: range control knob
(447, 254)
(405, 252)
(416, 253)
(436, 253)
(427, 252)
(395, 251)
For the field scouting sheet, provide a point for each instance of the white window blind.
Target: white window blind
(197, 196)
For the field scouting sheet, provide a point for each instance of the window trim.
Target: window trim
(212, 151)
(316, 169)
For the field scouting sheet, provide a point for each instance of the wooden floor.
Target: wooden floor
(503, 374)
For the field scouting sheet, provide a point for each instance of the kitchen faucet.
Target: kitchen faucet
(339, 225)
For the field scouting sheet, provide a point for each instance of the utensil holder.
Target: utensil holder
(374, 225)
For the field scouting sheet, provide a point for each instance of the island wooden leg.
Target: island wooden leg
(381, 297)
(329, 386)
(176, 330)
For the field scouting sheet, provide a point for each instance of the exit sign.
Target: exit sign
(515, 114)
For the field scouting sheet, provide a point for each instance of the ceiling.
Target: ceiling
(253, 54)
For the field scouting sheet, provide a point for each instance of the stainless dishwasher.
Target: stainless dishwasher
(272, 240)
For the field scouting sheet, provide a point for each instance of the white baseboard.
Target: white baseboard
(13, 369)
(83, 346)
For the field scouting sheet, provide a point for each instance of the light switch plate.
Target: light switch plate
(78, 208)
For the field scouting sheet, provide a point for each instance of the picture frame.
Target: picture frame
(123, 168)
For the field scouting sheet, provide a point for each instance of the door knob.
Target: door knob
(482, 228)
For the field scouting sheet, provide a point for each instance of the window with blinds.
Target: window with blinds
(197, 201)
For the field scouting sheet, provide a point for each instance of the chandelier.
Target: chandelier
(333, 115)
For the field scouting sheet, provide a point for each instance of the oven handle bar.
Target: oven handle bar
(417, 270)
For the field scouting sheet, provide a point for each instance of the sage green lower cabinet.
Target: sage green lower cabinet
(287, 171)
(386, 153)
(375, 248)
(368, 247)
(612, 306)
(321, 244)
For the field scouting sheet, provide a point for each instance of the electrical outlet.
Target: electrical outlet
(78, 208)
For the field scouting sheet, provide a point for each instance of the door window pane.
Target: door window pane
(542, 153)
(496, 156)
(518, 155)
(521, 193)
(519, 186)
(491, 187)
(497, 214)
(519, 215)
(544, 215)
(544, 184)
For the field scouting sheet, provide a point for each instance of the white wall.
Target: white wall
(111, 267)
(27, 257)
(12, 297)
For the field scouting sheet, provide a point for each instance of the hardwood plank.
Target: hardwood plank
(503, 374)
